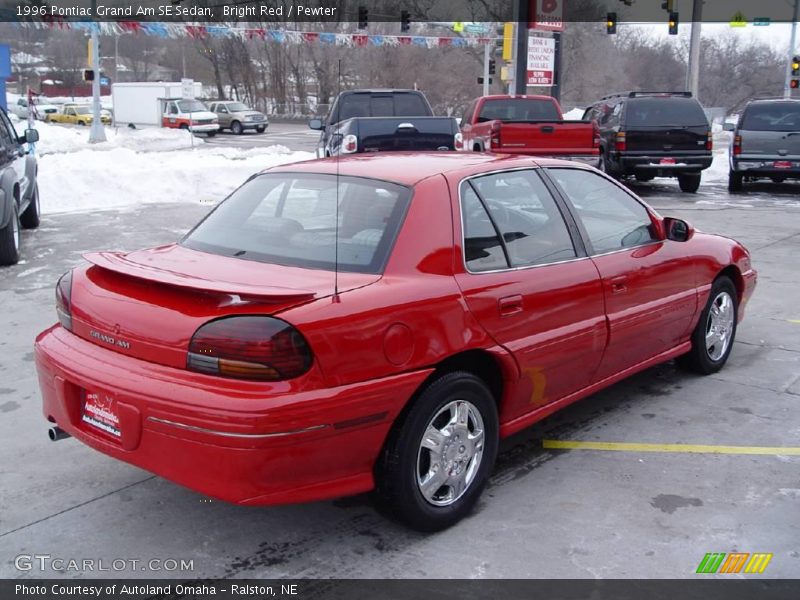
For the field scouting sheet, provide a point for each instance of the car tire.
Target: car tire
(448, 438)
(29, 218)
(604, 166)
(735, 181)
(778, 179)
(81, 123)
(183, 126)
(643, 178)
(211, 133)
(709, 352)
(689, 182)
(10, 239)
(236, 128)
(261, 128)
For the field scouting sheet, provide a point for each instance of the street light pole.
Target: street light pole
(693, 68)
(97, 132)
(787, 86)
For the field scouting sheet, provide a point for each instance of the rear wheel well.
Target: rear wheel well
(732, 272)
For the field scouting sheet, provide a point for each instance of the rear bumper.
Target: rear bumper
(760, 166)
(242, 443)
(650, 163)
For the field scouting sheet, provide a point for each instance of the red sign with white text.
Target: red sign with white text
(546, 14)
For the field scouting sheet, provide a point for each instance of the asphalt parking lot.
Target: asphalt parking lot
(547, 513)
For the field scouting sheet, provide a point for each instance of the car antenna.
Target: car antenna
(338, 155)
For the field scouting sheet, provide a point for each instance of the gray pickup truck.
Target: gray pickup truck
(19, 194)
(766, 143)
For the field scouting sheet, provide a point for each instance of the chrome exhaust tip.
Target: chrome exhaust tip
(56, 433)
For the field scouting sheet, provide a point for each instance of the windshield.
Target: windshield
(290, 219)
(772, 117)
(518, 110)
(660, 112)
(191, 106)
(237, 107)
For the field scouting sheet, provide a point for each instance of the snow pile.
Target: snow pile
(59, 138)
(121, 177)
(576, 114)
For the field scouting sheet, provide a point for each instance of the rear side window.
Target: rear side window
(291, 219)
(613, 220)
(523, 215)
(663, 112)
(518, 110)
(772, 117)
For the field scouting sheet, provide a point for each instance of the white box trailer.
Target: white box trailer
(161, 104)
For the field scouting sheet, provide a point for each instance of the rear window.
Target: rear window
(772, 117)
(291, 219)
(665, 112)
(519, 110)
(385, 105)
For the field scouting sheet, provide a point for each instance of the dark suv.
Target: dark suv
(653, 134)
(766, 143)
(369, 103)
(19, 195)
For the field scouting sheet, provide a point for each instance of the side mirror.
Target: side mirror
(31, 136)
(315, 124)
(677, 230)
(728, 126)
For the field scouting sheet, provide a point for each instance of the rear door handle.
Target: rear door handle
(547, 129)
(510, 305)
(619, 284)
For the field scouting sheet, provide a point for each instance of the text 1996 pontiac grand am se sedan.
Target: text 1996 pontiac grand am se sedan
(380, 323)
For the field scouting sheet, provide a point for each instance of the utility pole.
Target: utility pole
(693, 68)
(487, 56)
(521, 16)
(97, 132)
(787, 89)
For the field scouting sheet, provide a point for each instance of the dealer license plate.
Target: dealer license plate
(100, 412)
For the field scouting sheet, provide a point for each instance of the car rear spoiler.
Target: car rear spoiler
(119, 263)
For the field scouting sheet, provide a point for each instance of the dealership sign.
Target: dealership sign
(541, 60)
(546, 14)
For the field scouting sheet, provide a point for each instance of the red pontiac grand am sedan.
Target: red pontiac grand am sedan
(380, 323)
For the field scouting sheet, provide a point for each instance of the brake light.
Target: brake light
(495, 137)
(64, 300)
(458, 141)
(737, 145)
(595, 135)
(249, 347)
(620, 142)
(349, 144)
(709, 141)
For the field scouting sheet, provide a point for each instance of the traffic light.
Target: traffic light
(667, 5)
(673, 23)
(796, 66)
(611, 23)
(363, 17)
(405, 20)
(492, 66)
(88, 75)
(794, 84)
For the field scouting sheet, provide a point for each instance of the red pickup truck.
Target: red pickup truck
(531, 125)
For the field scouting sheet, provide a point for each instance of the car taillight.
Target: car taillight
(737, 145)
(64, 300)
(458, 141)
(709, 141)
(249, 347)
(349, 144)
(495, 138)
(620, 142)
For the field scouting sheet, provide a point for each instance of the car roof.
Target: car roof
(381, 91)
(409, 168)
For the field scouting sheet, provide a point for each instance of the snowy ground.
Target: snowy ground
(142, 166)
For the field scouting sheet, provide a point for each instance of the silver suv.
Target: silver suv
(237, 117)
(766, 143)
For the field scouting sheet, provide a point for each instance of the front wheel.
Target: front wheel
(30, 216)
(10, 238)
(712, 338)
(689, 182)
(439, 457)
(237, 128)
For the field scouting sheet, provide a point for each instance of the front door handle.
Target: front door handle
(510, 305)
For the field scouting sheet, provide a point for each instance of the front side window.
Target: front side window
(524, 217)
(612, 218)
(291, 219)
(187, 106)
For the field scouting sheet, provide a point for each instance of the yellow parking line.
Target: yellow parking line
(795, 321)
(675, 448)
